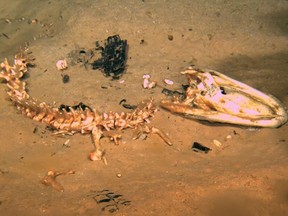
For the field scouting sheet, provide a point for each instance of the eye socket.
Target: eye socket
(223, 90)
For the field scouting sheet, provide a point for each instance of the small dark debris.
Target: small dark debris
(122, 101)
(5, 35)
(197, 147)
(65, 78)
(50, 128)
(82, 56)
(185, 87)
(217, 14)
(210, 36)
(80, 106)
(170, 37)
(35, 130)
(4, 171)
(171, 92)
(223, 90)
(127, 106)
(142, 41)
(111, 200)
(113, 56)
(82, 52)
(2, 201)
(190, 29)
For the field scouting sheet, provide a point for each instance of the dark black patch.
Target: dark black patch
(110, 200)
(170, 37)
(127, 106)
(82, 52)
(80, 106)
(185, 87)
(113, 56)
(197, 147)
(223, 90)
(171, 92)
(65, 78)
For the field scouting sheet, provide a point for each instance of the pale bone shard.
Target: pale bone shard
(50, 179)
(62, 64)
(139, 132)
(147, 84)
(81, 121)
(168, 82)
(240, 104)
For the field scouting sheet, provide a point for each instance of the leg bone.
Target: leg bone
(98, 153)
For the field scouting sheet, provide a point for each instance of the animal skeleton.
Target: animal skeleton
(76, 120)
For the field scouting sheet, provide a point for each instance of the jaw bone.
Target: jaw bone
(215, 97)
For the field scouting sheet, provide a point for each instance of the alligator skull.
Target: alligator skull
(214, 97)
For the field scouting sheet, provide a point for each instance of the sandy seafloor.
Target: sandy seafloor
(247, 175)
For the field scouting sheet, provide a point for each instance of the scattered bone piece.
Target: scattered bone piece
(146, 82)
(61, 64)
(152, 84)
(141, 133)
(66, 143)
(168, 82)
(217, 143)
(114, 136)
(98, 155)
(228, 137)
(50, 179)
(8, 21)
(162, 135)
(146, 76)
(33, 21)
